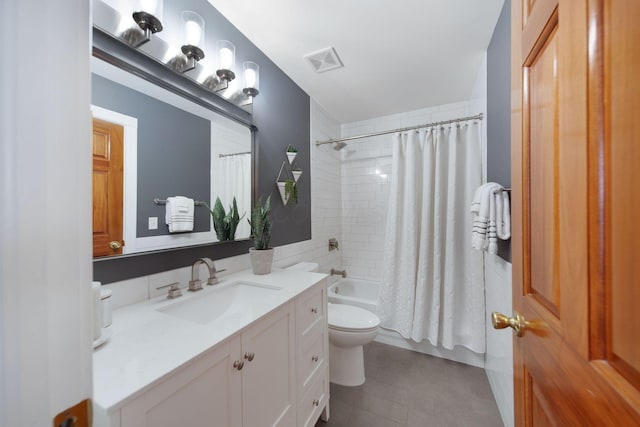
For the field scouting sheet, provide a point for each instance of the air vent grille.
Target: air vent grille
(324, 60)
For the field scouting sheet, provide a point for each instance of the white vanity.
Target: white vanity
(251, 351)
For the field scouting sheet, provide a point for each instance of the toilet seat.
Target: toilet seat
(348, 318)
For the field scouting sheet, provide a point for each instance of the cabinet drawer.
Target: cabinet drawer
(313, 401)
(310, 309)
(311, 360)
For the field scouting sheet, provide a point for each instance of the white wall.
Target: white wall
(45, 219)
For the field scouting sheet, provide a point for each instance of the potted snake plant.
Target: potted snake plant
(261, 254)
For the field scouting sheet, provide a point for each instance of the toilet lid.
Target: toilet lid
(348, 317)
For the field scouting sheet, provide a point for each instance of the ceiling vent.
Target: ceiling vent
(324, 60)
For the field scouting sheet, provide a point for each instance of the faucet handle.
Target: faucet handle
(195, 285)
(213, 280)
(174, 290)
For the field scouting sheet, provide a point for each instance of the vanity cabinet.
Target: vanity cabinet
(248, 380)
(206, 392)
(268, 376)
(272, 372)
(312, 355)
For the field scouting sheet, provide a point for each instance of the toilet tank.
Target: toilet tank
(304, 266)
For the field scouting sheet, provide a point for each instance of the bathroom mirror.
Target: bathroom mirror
(170, 146)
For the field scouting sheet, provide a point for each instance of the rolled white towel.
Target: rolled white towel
(483, 227)
(503, 215)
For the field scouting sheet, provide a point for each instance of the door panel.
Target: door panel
(624, 133)
(268, 377)
(575, 157)
(108, 166)
(542, 110)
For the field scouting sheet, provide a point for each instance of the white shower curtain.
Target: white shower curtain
(234, 180)
(432, 284)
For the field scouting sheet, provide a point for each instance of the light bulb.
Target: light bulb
(226, 58)
(193, 33)
(249, 77)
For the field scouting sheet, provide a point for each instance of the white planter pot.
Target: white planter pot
(281, 186)
(261, 260)
(291, 156)
(296, 175)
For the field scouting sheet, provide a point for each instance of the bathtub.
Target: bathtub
(361, 293)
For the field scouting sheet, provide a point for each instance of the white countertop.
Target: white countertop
(147, 344)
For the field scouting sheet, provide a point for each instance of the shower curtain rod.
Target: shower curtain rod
(384, 132)
(233, 154)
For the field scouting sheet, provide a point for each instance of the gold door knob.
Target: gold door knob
(517, 322)
(115, 245)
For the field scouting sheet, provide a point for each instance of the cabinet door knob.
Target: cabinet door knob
(314, 310)
(249, 356)
(238, 364)
(314, 358)
(316, 402)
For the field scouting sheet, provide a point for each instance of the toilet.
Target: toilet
(350, 328)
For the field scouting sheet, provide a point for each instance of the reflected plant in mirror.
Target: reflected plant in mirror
(224, 223)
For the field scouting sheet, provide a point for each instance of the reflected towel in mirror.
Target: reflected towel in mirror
(179, 214)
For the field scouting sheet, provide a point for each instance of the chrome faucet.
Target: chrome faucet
(342, 273)
(195, 284)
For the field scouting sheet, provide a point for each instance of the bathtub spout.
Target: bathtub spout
(342, 273)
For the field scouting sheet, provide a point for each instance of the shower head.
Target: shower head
(339, 145)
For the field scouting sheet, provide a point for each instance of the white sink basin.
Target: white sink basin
(225, 301)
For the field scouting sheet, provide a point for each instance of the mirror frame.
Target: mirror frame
(111, 269)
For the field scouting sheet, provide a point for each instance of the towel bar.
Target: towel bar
(164, 202)
(508, 190)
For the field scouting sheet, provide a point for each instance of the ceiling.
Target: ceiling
(398, 56)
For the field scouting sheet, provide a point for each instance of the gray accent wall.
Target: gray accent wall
(499, 109)
(281, 117)
(174, 152)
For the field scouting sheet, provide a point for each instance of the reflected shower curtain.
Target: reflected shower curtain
(234, 180)
(432, 284)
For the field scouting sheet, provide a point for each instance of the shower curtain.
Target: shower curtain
(234, 180)
(432, 284)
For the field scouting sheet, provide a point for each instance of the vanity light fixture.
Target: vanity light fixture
(251, 73)
(148, 18)
(193, 25)
(226, 60)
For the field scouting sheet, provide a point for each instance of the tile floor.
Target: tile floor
(405, 388)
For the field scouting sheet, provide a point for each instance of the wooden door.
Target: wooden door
(107, 188)
(576, 201)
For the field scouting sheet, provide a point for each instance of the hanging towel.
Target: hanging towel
(179, 214)
(503, 215)
(484, 209)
